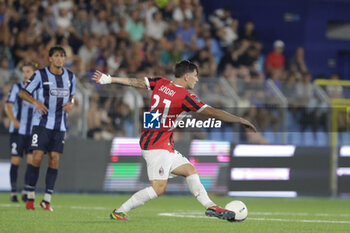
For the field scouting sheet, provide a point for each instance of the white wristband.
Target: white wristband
(105, 79)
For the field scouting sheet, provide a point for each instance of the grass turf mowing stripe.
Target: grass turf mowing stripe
(89, 213)
(197, 213)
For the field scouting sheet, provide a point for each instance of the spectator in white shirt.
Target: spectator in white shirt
(155, 26)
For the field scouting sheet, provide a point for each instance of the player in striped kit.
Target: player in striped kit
(170, 100)
(21, 115)
(55, 86)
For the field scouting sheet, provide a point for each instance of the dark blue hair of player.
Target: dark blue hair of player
(184, 67)
(57, 49)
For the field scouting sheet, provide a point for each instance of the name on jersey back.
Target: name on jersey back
(167, 91)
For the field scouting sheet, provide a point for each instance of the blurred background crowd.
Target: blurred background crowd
(137, 38)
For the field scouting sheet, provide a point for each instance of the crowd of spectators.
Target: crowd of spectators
(139, 38)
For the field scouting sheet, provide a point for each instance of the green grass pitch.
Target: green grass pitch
(90, 213)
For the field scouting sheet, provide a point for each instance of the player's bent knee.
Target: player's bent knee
(37, 158)
(54, 160)
(191, 170)
(29, 158)
(36, 162)
(53, 163)
(16, 160)
(160, 190)
(185, 170)
(159, 187)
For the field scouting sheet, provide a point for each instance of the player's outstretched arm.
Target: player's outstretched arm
(226, 117)
(40, 107)
(102, 78)
(9, 112)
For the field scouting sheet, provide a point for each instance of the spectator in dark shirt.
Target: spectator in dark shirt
(248, 33)
(298, 60)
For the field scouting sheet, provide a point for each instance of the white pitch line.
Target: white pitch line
(10, 205)
(299, 220)
(300, 214)
(260, 219)
(191, 212)
(59, 207)
(182, 216)
(89, 208)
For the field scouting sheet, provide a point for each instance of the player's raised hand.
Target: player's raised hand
(249, 126)
(40, 107)
(101, 78)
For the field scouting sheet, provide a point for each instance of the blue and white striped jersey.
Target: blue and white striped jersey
(22, 110)
(54, 91)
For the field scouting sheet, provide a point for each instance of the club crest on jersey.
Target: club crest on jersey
(161, 171)
(151, 120)
(59, 92)
(196, 98)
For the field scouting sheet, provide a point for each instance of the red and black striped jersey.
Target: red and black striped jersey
(173, 102)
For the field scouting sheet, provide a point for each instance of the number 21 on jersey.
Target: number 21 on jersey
(167, 104)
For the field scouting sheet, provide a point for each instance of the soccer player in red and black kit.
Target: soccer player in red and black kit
(171, 101)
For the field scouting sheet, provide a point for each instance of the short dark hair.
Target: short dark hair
(57, 48)
(184, 67)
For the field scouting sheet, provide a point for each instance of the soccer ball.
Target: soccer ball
(239, 208)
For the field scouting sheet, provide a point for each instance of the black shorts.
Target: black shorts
(47, 140)
(20, 144)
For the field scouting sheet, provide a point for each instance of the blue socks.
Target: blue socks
(13, 177)
(14, 174)
(50, 180)
(32, 178)
(26, 177)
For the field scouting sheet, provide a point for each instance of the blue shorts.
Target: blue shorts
(20, 144)
(47, 140)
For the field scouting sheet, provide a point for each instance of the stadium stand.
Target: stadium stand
(138, 38)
